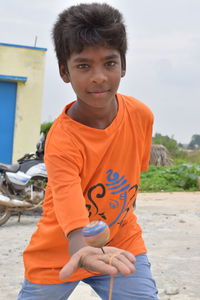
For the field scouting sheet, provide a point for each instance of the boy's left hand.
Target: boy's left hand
(114, 261)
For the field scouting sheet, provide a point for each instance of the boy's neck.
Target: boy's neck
(99, 118)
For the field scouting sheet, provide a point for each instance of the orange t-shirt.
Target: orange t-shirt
(93, 174)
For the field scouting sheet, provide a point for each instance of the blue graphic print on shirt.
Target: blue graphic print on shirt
(122, 196)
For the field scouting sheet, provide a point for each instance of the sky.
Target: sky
(163, 58)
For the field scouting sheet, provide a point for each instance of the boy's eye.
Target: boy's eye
(111, 63)
(82, 66)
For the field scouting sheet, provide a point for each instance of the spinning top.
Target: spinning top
(96, 234)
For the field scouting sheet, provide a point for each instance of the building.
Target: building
(21, 86)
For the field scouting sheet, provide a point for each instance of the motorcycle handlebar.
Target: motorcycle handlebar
(26, 156)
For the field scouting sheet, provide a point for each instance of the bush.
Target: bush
(45, 127)
(182, 177)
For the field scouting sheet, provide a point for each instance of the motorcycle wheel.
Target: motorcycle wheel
(4, 214)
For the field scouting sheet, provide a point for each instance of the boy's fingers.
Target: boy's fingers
(128, 261)
(128, 255)
(101, 267)
(70, 267)
(122, 262)
(95, 265)
(123, 265)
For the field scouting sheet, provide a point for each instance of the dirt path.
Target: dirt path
(171, 228)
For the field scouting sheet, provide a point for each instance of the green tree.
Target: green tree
(169, 142)
(195, 142)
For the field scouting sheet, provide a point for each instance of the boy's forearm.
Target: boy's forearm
(76, 241)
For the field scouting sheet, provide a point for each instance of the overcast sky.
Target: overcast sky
(163, 60)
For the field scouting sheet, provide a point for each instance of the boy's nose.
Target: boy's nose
(98, 76)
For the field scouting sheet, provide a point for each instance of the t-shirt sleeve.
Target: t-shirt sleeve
(63, 162)
(147, 141)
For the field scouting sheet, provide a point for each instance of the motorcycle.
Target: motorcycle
(22, 185)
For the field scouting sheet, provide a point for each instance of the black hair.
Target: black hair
(89, 25)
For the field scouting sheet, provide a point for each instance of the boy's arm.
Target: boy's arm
(76, 241)
(64, 168)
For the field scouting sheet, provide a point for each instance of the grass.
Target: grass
(194, 156)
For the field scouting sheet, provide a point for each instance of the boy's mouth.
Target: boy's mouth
(99, 92)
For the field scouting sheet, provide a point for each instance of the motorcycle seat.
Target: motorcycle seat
(9, 168)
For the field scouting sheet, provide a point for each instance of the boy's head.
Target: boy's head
(89, 25)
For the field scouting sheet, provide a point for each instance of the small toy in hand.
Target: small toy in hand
(96, 234)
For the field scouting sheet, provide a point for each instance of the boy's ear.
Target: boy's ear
(64, 74)
(123, 73)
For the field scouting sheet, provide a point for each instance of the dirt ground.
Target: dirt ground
(171, 228)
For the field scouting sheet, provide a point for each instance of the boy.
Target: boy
(94, 153)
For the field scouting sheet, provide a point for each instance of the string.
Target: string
(111, 287)
(103, 250)
(112, 277)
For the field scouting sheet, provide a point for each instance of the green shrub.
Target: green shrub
(181, 177)
(45, 127)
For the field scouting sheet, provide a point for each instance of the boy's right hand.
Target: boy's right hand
(114, 261)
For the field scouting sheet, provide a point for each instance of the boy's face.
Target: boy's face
(94, 74)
